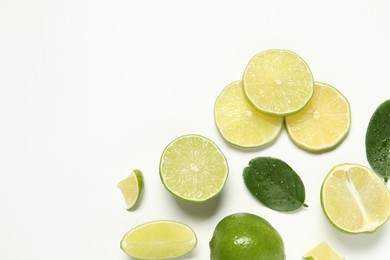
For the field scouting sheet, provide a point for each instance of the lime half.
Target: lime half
(321, 252)
(159, 239)
(241, 124)
(355, 199)
(193, 168)
(278, 82)
(132, 188)
(323, 122)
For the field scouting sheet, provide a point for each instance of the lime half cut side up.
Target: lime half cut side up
(355, 199)
(193, 168)
(132, 188)
(160, 239)
(241, 124)
(278, 82)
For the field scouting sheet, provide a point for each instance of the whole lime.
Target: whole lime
(246, 236)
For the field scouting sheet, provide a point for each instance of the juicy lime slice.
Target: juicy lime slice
(159, 239)
(323, 122)
(245, 236)
(321, 252)
(278, 82)
(355, 199)
(132, 188)
(239, 123)
(193, 168)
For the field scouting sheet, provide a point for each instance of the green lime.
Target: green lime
(246, 236)
(160, 239)
(193, 168)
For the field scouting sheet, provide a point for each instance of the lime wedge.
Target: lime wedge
(132, 188)
(323, 122)
(193, 168)
(159, 239)
(322, 252)
(355, 199)
(278, 82)
(241, 124)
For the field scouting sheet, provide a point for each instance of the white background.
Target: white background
(90, 90)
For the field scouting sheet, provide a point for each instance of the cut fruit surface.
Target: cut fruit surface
(355, 199)
(323, 122)
(322, 252)
(241, 124)
(193, 168)
(132, 188)
(278, 82)
(159, 239)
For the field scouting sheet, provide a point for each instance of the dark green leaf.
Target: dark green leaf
(275, 184)
(378, 140)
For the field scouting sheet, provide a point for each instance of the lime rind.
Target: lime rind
(241, 124)
(285, 112)
(195, 199)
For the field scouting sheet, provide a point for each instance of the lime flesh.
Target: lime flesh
(132, 188)
(193, 168)
(159, 239)
(241, 124)
(355, 199)
(278, 82)
(321, 252)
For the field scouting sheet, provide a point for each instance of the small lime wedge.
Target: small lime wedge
(278, 82)
(323, 123)
(193, 168)
(322, 251)
(241, 124)
(355, 199)
(132, 188)
(160, 239)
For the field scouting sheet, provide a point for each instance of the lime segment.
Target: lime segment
(321, 252)
(323, 122)
(241, 124)
(193, 168)
(278, 82)
(132, 188)
(159, 239)
(355, 199)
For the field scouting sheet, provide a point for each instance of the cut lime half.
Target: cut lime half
(278, 82)
(193, 168)
(241, 124)
(355, 199)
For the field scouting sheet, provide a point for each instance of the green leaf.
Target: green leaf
(275, 184)
(378, 140)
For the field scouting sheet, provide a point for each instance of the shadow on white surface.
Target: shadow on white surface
(201, 210)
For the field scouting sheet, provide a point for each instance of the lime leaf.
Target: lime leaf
(275, 184)
(378, 140)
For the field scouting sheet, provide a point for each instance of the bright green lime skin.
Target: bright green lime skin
(244, 236)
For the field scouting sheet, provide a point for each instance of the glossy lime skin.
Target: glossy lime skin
(246, 236)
